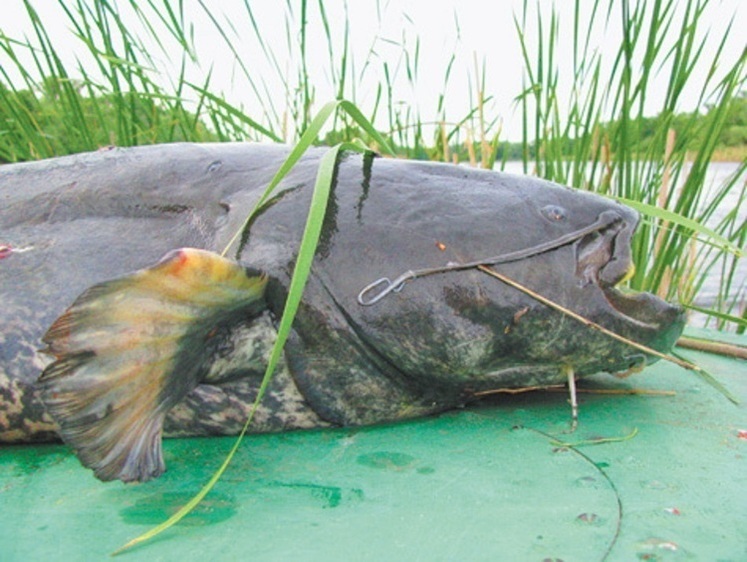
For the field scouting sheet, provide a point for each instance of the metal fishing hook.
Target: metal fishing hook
(384, 286)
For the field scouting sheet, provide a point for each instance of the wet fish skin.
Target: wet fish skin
(82, 221)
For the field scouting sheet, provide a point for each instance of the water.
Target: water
(718, 173)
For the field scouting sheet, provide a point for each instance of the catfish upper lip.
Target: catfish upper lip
(603, 257)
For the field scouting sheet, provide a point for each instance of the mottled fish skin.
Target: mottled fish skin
(221, 404)
(218, 406)
(23, 417)
(77, 221)
(70, 224)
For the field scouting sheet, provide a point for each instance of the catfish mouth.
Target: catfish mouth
(602, 251)
(603, 258)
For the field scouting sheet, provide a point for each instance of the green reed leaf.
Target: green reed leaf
(301, 270)
(683, 221)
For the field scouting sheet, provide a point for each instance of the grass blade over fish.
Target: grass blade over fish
(307, 250)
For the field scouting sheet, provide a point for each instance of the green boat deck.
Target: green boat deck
(661, 477)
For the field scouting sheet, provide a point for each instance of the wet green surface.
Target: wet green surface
(487, 483)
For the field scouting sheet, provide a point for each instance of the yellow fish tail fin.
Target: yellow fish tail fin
(128, 350)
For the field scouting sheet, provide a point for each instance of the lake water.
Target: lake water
(718, 173)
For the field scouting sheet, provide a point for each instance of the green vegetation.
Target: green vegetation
(661, 167)
(600, 137)
(731, 145)
(301, 270)
(39, 125)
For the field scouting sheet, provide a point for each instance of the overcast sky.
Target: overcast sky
(484, 34)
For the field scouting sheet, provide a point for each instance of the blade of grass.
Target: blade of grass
(686, 222)
(303, 144)
(736, 320)
(301, 270)
(673, 358)
(235, 112)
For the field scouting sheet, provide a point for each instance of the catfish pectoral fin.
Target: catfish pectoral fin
(128, 350)
(116, 436)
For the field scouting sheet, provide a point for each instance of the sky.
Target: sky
(477, 37)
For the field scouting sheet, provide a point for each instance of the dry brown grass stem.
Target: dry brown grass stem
(593, 325)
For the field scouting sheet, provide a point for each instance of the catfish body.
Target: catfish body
(73, 224)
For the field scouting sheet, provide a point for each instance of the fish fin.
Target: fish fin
(128, 350)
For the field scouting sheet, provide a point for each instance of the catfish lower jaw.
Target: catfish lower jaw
(644, 309)
(603, 258)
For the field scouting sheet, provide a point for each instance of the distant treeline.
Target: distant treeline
(63, 117)
(732, 140)
(24, 113)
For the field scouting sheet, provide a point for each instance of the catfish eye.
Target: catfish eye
(554, 213)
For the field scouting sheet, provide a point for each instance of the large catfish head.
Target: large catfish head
(418, 300)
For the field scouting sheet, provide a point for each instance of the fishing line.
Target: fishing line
(384, 286)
